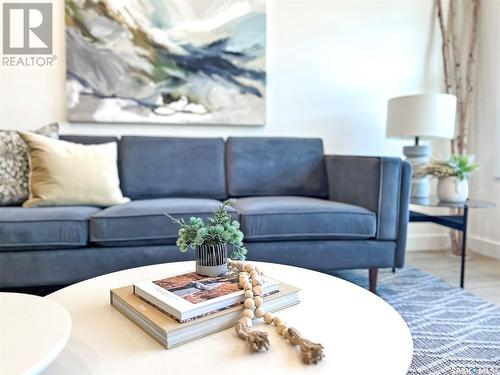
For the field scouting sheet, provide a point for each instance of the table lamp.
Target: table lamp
(425, 116)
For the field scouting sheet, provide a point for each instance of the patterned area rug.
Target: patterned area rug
(454, 332)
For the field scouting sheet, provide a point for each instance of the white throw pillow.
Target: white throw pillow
(64, 173)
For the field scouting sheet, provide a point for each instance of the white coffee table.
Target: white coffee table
(361, 333)
(33, 331)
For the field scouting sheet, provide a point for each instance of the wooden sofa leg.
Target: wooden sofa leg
(373, 273)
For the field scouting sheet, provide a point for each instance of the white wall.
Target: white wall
(332, 65)
(485, 133)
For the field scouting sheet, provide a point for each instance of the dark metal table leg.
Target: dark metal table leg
(464, 247)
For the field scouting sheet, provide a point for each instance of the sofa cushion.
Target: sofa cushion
(88, 139)
(162, 167)
(299, 218)
(276, 166)
(44, 227)
(143, 222)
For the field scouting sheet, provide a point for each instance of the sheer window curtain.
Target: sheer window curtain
(486, 125)
(496, 93)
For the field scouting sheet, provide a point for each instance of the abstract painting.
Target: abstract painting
(166, 61)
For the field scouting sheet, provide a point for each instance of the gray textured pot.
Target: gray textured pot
(211, 260)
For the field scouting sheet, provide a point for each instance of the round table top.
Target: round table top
(361, 333)
(33, 331)
(435, 202)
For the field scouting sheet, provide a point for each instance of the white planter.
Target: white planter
(451, 189)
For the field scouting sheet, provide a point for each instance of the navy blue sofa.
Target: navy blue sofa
(296, 206)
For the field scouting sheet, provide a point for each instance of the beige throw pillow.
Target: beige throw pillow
(65, 173)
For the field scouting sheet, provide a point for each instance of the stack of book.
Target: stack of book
(185, 307)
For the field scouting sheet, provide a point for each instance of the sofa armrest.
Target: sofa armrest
(380, 184)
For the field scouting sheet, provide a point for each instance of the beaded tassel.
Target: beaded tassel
(257, 340)
(250, 280)
(311, 352)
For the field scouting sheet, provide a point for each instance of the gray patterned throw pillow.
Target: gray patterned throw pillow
(14, 165)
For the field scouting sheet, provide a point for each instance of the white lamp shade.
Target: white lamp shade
(424, 116)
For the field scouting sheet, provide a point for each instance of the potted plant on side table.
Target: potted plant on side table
(210, 240)
(453, 177)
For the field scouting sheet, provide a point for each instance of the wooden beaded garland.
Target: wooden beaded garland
(246, 321)
(248, 294)
(258, 301)
(248, 313)
(281, 327)
(250, 280)
(249, 303)
(257, 290)
(259, 312)
(268, 318)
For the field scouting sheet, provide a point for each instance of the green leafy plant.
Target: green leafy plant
(220, 229)
(460, 166)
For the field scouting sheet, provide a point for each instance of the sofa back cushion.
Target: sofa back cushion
(88, 139)
(275, 166)
(162, 167)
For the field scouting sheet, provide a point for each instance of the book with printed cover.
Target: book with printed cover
(190, 295)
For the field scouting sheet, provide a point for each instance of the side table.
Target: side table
(33, 331)
(457, 222)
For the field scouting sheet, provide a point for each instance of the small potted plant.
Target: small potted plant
(453, 177)
(211, 239)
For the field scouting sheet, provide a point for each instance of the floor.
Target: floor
(482, 274)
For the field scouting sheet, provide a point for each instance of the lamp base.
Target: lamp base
(418, 156)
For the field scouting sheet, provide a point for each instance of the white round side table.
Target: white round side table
(361, 333)
(33, 331)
